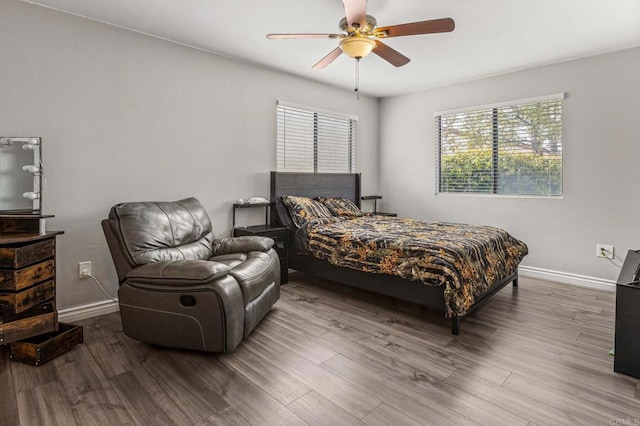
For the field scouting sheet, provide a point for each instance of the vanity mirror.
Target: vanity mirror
(20, 175)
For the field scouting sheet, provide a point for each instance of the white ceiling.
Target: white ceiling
(491, 36)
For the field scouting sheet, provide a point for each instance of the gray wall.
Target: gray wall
(601, 202)
(127, 117)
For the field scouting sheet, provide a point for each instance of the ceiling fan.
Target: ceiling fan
(359, 35)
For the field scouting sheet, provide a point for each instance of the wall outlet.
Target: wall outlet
(84, 269)
(603, 250)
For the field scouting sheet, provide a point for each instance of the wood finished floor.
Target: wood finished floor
(331, 355)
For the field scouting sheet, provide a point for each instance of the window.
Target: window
(513, 148)
(315, 141)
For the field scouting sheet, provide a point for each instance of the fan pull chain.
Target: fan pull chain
(357, 89)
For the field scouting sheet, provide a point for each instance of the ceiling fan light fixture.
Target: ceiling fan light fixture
(357, 47)
(359, 35)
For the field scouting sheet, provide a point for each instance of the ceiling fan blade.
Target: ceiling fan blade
(355, 11)
(328, 59)
(309, 35)
(443, 25)
(390, 55)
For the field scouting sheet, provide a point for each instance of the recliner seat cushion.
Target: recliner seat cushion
(231, 260)
(178, 272)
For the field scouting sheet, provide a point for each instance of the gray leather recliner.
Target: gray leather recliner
(179, 286)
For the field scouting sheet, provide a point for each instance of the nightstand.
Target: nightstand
(384, 214)
(279, 235)
(375, 199)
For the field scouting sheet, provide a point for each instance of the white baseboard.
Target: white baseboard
(567, 278)
(90, 310)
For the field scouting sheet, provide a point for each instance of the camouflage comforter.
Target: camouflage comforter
(466, 259)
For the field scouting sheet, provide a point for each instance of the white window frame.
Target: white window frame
(493, 190)
(316, 140)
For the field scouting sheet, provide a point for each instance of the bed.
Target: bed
(318, 248)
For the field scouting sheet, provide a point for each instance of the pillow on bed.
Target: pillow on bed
(341, 206)
(303, 209)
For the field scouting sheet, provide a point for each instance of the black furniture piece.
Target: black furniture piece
(179, 286)
(375, 199)
(279, 235)
(385, 214)
(627, 345)
(237, 206)
(347, 185)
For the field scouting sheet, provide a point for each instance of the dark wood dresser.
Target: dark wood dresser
(27, 279)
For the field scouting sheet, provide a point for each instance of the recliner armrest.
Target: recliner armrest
(243, 244)
(178, 273)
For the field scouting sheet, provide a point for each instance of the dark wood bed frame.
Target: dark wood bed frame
(347, 185)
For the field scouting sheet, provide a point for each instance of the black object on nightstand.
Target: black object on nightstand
(375, 199)
(279, 235)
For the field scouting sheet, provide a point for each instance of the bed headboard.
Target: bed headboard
(338, 185)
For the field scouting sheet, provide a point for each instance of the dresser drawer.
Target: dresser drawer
(26, 277)
(20, 255)
(41, 349)
(39, 320)
(16, 302)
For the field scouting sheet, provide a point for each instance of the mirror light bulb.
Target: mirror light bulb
(31, 168)
(30, 195)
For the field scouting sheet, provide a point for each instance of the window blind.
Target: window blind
(315, 141)
(506, 149)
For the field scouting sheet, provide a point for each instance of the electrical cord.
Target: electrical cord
(102, 288)
(604, 254)
(610, 260)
